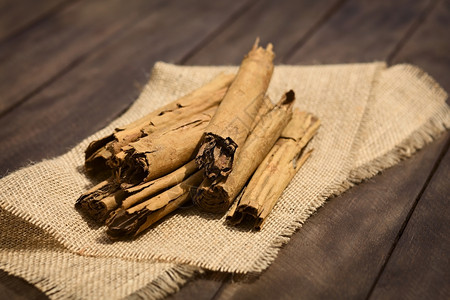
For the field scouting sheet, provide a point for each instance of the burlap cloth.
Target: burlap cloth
(372, 116)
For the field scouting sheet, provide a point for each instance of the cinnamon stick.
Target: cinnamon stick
(105, 205)
(216, 196)
(163, 151)
(276, 171)
(99, 153)
(100, 200)
(131, 222)
(137, 194)
(231, 125)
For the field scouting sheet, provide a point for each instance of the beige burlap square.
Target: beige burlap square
(372, 117)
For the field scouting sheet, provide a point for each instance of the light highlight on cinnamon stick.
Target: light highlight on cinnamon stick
(276, 171)
(99, 153)
(217, 196)
(131, 222)
(231, 124)
(163, 151)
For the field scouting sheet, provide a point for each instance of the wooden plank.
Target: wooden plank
(339, 250)
(362, 31)
(15, 288)
(16, 16)
(419, 267)
(203, 288)
(36, 58)
(429, 46)
(318, 231)
(282, 23)
(97, 90)
(261, 20)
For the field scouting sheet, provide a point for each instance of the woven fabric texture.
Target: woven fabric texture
(372, 117)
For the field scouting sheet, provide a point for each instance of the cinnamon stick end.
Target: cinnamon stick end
(216, 156)
(211, 198)
(124, 225)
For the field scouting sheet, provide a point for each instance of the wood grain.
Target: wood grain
(340, 249)
(429, 46)
(350, 238)
(361, 31)
(17, 16)
(419, 267)
(97, 90)
(34, 59)
(204, 288)
(283, 23)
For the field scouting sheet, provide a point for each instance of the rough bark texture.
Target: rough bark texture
(99, 153)
(276, 171)
(163, 151)
(139, 193)
(100, 199)
(133, 221)
(216, 196)
(232, 123)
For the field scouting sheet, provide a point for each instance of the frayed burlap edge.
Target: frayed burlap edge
(171, 281)
(261, 263)
(168, 283)
(428, 132)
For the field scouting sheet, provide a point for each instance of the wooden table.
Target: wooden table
(68, 68)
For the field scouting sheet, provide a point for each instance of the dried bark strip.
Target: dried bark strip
(100, 200)
(139, 193)
(216, 196)
(101, 203)
(231, 125)
(276, 171)
(163, 151)
(131, 222)
(265, 107)
(99, 153)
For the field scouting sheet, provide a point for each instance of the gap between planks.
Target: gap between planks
(413, 28)
(410, 32)
(410, 213)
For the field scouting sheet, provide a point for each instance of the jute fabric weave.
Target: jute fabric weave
(372, 117)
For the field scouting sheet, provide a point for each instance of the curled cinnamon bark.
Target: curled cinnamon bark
(100, 200)
(162, 151)
(276, 171)
(99, 153)
(139, 193)
(132, 221)
(231, 125)
(216, 196)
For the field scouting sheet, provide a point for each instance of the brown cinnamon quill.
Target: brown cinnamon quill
(231, 124)
(131, 222)
(100, 200)
(162, 151)
(216, 196)
(99, 153)
(276, 171)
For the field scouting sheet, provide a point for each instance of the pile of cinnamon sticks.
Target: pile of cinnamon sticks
(223, 145)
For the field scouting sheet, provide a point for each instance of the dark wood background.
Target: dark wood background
(69, 67)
